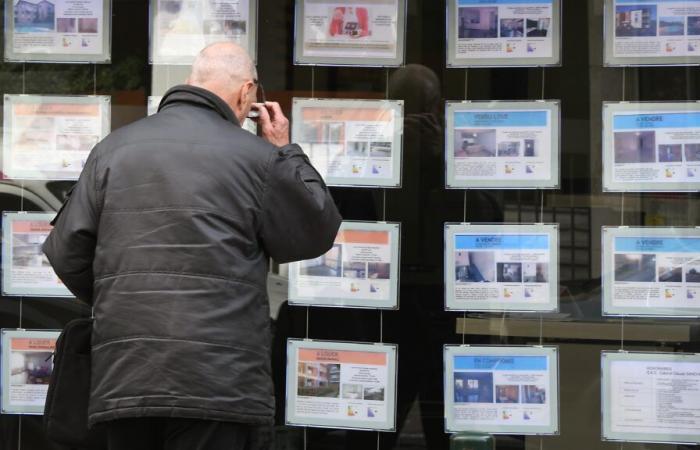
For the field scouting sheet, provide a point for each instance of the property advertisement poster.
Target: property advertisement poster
(651, 146)
(360, 270)
(512, 267)
(483, 33)
(651, 271)
(58, 30)
(501, 390)
(50, 137)
(27, 363)
(181, 28)
(502, 145)
(153, 102)
(651, 397)
(341, 385)
(652, 32)
(351, 32)
(351, 142)
(25, 268)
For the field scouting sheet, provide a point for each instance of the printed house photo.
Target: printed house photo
(635, 267)
(30, 367)
(66, 25)
(87, 25)
(354, 270)
(693, 25)
(475, 143)
(692, 274)
(478, 22)
(672, 26)
(26, 250)
(374, 393)
(537, 27)
(508, 393)
(350, 21)
(357, 148)
(509, 149)
(512, 28)
(327, 265)
(475, 267)
(533, 394)
(670, 153)
(670, 274)
(380, 149)
(509, 272)
(635, 147)
(318, 380)
(34, 16)
(635, 20)
(379, 271)
(692, 152)
(352, 391)
(535, 272)
(473, 387)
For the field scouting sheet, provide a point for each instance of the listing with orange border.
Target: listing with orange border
(341, 384)
(360, 270)
(49, 137)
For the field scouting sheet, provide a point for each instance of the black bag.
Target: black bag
(66, 408)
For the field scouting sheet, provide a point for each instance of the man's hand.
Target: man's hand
(274, 127)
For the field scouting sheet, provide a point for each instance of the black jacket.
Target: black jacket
(168, 234)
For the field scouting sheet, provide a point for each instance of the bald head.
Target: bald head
(227, 70)
(222, 62)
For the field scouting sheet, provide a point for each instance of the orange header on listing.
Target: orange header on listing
(347, 114)
(31, 226)
(341, 356)
(56, 109)
(33, 344)
(362, 237)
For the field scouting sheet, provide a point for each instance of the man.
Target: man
(168, 234)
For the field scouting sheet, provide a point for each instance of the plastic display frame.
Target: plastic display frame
(5, 353)
(610, 110)
(8, 218)
(391, 352)
(609, 38)
(606, 426)
(103, 101)
(394, 230)
(495, 106)
(454, 61)
(105, 57)
(550, 352)
(609, 234)
(355, 61)
(154, 59)
(396, 108)
(452, 230)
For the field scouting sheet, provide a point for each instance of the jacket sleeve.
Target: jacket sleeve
(70, 247)
(299, 218)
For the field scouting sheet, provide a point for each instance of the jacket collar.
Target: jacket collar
(197, 96)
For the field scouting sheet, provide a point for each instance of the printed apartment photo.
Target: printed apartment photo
(670, 153)
(535, 272)
(30, 367)
(475, 267)
(672, 26)
(512, 28)
(26, 251)
(670, 274)
(635, 147)
(538, 27)
(34, 16)
(509, 272)
(635, 20)
(533, 394)
(473, 387)
(327, 265)
(475, 143)
(692, 152)
(635, 267)
(349, 21)
(508, 393)
(318, 379)
(323, 132)
(475, 22)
